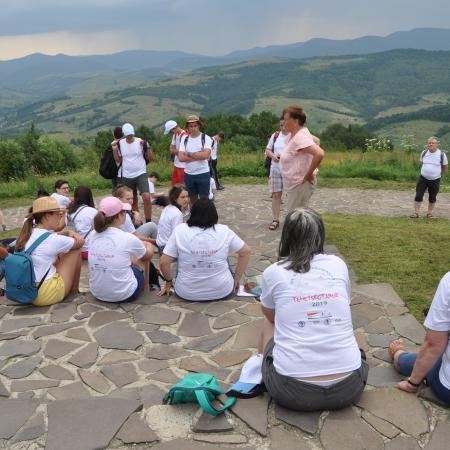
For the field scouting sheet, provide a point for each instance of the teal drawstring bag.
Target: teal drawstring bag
(198, 388)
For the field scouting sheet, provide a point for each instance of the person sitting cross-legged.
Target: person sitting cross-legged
(311, 359)
(201, 248)
(432, 363)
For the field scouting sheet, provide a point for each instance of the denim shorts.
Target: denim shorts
(139, 275)
(198, 184)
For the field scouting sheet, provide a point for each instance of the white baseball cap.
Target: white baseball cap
(127, 129)
(169, 125)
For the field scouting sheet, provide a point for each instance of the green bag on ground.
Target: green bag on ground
(198, 388)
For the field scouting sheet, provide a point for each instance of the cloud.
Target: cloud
(206, 26)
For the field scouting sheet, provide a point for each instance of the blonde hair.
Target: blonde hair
(120, 190)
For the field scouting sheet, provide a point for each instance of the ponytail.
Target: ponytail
(27, 229)
(101, 222)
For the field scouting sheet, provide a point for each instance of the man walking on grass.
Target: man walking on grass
(299, 160)
(433, 163)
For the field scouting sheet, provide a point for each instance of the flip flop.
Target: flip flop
(414, 216)
(274, 225)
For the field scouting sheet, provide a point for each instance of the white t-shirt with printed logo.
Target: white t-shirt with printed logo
(128, 225)
(133, 162)
(111, 277)
(279, 144)
(431, 164)
(46, 253)
(84, 223)
(194, 145)
(313, 323)
(438, 319)
(171, 216)
(176, 140)
(203, 270)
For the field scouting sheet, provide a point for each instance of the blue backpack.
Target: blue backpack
(19, 274)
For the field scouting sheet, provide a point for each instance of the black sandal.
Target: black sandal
(274, 225)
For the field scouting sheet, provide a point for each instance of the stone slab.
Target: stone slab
(94, 380)
(440, 438)
(3, 391)
(216, 309)
(101, 318)
(156, 315)
(177, 444)
(380, 340)
(221, 438)
(86, 424)
(227, 358)
(253, 412)
(344, 430)
(364, 314)
(194, 325)
(22, 368)
(136, 431)
(152, 365)
(383, 427)
(63, 312)
(280, 438)
(383, 292)
(56, 348)
(210, 424)
(56, 372)
(382, 355)
(162, 337)
(117, 356)
(79, 334)
(152, 395)
(32, 430)
(11, 349)
(248, 334)
(403, 443)
(119, 335)
(86, 356)
(305, 421)
(73, 391)
(8, 325)
(32, 385)
(408, 327)
(13, 335)
(13, 415)
(120, 374)
(251, 309)
(402, 410)
(47, 330)
(230, 319)
(210, 342)
(379, 326)
(383, 376)
(199, 365)
(165, 352)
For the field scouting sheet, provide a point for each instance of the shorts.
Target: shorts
(84, 256)
(140, 183)
(139, 275)
(51, 291)
(302, 396)
(299, 196)
(275, 180)
(198, 184)
(177, 175)
(433, 189)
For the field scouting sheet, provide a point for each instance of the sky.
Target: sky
(208, 27)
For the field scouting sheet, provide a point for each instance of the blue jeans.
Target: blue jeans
(139, 275)
(198, 184)
(406, 363)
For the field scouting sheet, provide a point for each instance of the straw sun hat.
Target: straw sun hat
(45, 204)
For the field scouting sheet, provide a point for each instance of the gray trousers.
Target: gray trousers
(300, 396)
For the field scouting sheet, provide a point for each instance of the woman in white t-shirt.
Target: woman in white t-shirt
(118, 261)
(61, 194)
(201, 248)
(311, 358)
(432, 362)
(172, 214)
(81, 213)
(57, 259)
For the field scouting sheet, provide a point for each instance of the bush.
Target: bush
(53, 157)
(13, 162)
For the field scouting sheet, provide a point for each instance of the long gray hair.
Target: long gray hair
(303, 236)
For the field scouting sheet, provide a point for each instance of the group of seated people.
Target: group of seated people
(310, 357)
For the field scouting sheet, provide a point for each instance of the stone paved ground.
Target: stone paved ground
(87, 375)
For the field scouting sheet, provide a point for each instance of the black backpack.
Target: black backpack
(268, 160)
(108, 167)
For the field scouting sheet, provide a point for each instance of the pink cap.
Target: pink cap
(110, 206)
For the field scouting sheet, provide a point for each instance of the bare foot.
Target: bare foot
(396, 348)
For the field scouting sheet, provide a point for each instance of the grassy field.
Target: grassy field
(410, 255)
